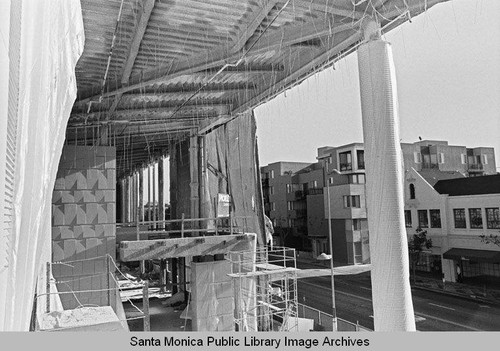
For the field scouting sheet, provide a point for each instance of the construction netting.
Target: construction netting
(43, 44)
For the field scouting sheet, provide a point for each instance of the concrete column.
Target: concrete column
(154, 194)
(392, 302)
(141, 194)
(161, 200)
(149, 192)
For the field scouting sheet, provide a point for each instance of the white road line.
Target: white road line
(448, 322)
(362, 287)
(337, 291)
(448, 308)
(484, 306)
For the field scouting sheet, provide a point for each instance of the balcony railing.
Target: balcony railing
(476, 166)
(314, 191)
(324, 321)
(429, 165)
(345, 167)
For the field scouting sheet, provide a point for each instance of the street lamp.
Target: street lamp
(330, 238)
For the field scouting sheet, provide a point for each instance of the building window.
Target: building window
(441, 157)
(272, 174)
(361, 159)
(345, 160)
(290, 222)
(288, 188)
(330, 160)
(356, 224)
(273, 206)
(459, 215)
(417, 157)
(408, 218)
(330, 180)
(435, 218)
(289, 205)
(463, 158)
(493, 218)
(356, 179)
(271, 190)
(275, 222)
(423, 219)
(352, 201)
(412, 191)
(485, 159)
(475, 218)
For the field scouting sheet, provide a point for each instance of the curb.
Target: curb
(462, 296)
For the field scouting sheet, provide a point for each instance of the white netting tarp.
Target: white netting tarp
(50, 38)
(392, 302)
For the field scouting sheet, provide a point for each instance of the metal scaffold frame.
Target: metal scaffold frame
(265, 289)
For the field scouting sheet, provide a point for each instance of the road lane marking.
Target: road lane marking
(448, 308)
(417, 318)
(338, 291)
(484, 306)
(449, 322)
(362, 287)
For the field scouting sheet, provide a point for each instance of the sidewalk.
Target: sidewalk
(467, 291)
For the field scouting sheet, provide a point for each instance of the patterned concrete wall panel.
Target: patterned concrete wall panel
(84, 223)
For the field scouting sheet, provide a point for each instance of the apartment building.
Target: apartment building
(296, 198)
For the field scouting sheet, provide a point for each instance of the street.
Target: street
(433, 311)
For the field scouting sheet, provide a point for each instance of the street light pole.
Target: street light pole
(330, 239)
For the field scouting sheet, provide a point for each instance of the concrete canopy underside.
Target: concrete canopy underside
(156, 72)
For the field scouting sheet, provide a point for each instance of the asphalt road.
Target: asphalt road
(433, 311)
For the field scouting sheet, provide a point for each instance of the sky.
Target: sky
(448, 78)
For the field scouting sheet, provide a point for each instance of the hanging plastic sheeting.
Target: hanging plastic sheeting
(392, 302)
(232, 168)
(46, 39)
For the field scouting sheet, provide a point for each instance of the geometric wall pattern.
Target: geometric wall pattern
(84, 222)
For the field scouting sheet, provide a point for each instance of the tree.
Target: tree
(490, 239)
(416, 245)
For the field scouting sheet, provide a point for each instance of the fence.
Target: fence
(84, 291)
(324, 321)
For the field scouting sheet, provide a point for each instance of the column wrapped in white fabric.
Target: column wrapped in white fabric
(392, 302)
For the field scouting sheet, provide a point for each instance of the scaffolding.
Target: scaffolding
(265, 289)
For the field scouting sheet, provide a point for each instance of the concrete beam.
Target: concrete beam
(183, 247)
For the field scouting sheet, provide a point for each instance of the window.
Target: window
(356, 179)
(345, 160)
(463, 158)
(273, 206)
(352, 201)
(417, 157)
(485, 159)
(272, 174)
(412, 191)
(275, 222)
(459, 215)
(330, 180)
(330, 159)
(423, 219)
(289, 188)
(408, 218)
(493, 218)
(290, 222)
(435, 218)
(289, 205)
(441, 157)
(361, 159)
(475, 218)
(271, 190)
(356, 224)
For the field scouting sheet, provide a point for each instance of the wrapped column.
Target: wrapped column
(392, 302)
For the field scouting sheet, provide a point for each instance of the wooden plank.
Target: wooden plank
(183, 247)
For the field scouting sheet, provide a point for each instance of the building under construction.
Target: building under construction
(95, 92)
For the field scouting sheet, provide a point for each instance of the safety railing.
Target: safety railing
(324, 321)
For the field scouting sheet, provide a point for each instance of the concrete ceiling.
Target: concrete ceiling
(154, 72)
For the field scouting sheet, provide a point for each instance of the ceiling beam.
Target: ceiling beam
(142, 24)
(330, 55)
(329, 6)
(251, 26)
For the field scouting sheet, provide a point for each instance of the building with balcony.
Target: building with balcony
(296, 199)
(428, 155)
